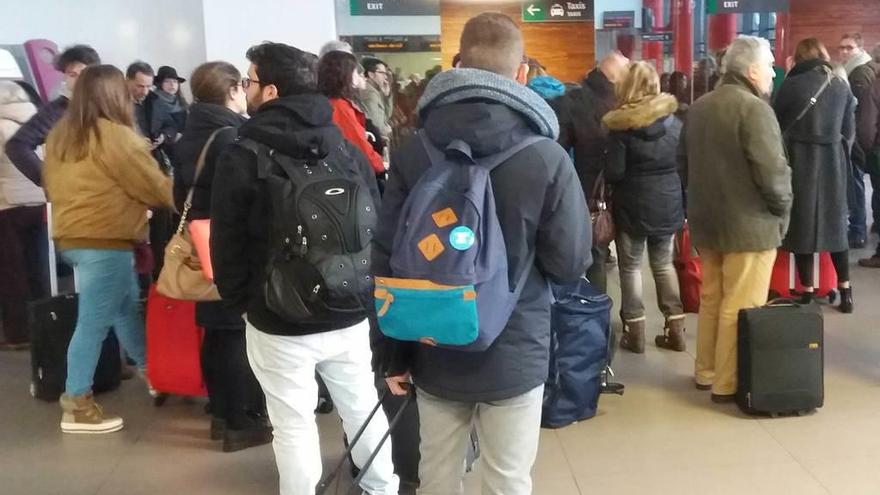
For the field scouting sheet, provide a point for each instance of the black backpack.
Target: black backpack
(322, 222)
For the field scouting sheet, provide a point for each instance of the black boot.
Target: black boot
(846, 300)
(251, 431)
(807, 297)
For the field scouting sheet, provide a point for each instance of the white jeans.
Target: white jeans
(285, 368)
(508, 430)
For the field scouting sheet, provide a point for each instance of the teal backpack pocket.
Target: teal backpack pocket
(422, 311)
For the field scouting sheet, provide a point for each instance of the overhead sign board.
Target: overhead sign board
(658, 36)
(393, 44)
(618, 19)
(739, 6)
(394, 7)
(551, 11)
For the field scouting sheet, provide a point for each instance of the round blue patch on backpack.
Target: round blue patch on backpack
(462, 238)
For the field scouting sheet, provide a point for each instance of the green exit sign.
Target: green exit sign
(551, 11)
(738, 6)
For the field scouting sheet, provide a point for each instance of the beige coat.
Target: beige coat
(15, 109)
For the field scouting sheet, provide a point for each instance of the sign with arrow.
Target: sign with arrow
(553, 11)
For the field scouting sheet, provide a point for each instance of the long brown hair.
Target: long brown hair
(100, 93)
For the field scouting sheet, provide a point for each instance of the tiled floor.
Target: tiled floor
(662, 437)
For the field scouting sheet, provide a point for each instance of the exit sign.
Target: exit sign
(550, 11)
(738, 6)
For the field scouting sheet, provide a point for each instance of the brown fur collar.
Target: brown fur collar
(641, 114)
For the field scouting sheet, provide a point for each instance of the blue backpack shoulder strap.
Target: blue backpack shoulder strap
(436, 155)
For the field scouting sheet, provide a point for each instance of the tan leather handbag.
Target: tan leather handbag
(181, 276)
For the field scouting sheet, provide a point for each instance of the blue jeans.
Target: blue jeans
(858, 214)
(108, 296)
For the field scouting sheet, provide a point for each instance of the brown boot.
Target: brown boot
(83, 415)
(673, 335)
(633, 338)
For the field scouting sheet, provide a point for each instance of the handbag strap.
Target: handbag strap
(200, 165)
(815, 99)
(598, 191)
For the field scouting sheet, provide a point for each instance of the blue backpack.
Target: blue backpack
(450, 285)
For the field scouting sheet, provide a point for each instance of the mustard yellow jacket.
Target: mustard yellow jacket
(101, 201)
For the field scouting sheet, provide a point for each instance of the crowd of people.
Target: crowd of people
(747, 169)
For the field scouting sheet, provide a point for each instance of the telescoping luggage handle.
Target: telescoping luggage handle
(355, 485)
(53, 260)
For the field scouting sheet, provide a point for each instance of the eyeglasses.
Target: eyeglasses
(846, 48)
(383, 72)
(246, 82)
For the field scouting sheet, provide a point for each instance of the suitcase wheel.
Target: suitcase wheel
(805, 412)
(160, 399)
(774, 415)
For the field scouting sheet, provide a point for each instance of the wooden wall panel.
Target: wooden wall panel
(567, 49)
(828, 20)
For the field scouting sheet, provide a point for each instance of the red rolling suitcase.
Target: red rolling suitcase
(786, 283)
(689, 270)
(174, 343)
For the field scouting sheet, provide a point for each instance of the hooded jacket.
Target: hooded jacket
(15, 110)
(580, 114)
(22, 147)
(541, 209)
(300, 126)
(641, 163)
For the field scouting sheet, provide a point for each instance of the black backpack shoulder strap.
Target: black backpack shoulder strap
(262, 152)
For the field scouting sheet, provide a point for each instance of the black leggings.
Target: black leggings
(804, 264)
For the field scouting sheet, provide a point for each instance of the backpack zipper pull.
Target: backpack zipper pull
(304, 247)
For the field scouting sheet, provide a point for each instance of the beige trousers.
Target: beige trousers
(731, 282)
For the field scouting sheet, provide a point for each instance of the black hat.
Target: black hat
(166, 72)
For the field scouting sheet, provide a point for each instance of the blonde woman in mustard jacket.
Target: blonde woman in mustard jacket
(101, 180)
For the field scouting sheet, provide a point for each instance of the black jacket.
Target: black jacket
(22, 147)
(541, 209)
(865, 87)
(203, 121)
(580, 113)
(642, 165)
(300, 126)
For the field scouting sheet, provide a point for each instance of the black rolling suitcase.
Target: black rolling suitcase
(52, 322)
(781, 359)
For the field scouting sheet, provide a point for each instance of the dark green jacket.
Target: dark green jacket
(738, 179)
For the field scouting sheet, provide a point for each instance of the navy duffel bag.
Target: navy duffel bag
(580, 354)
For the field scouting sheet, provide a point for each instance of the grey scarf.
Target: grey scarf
(173, 101)
(464, 84)
(858, 60)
